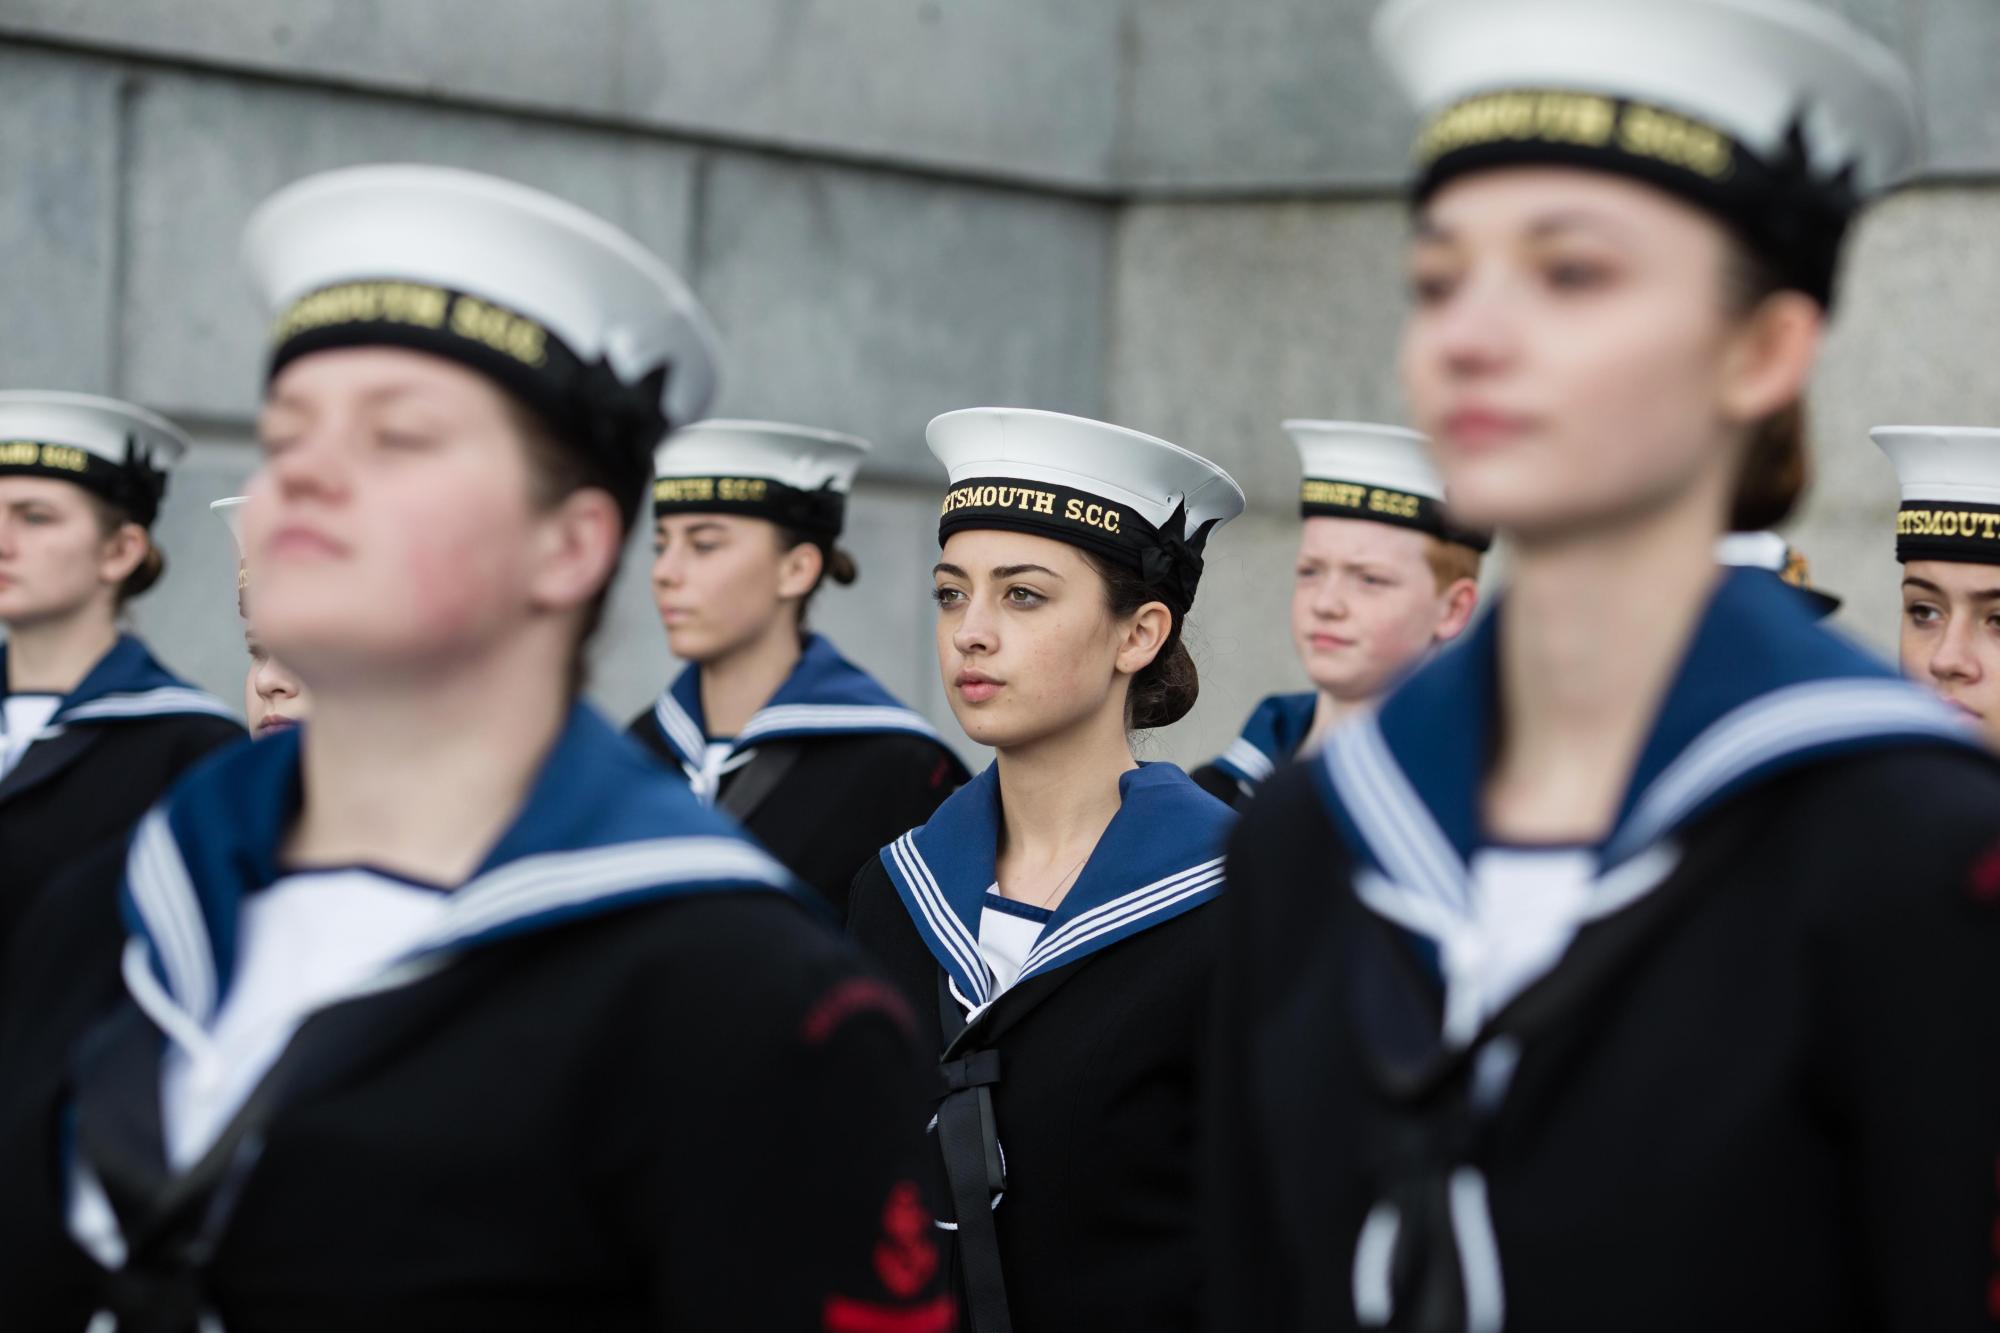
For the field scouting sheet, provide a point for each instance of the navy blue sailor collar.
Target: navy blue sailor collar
(1160, 856)
(826, 695)
(125, 684)
(1762, 690)
(603, 827)
(1276, 729)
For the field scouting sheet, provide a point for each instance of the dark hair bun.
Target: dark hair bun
(1165, 691)
(1776, 470)
(151, 569)
(840, 566)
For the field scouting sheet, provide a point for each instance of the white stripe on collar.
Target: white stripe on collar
(1121, 911)
(944, 923)
(512, 894)
(835, 717)
(1248, 760)
(679, 727)
(1806, 716)
(166, 700)
(1398, 827)
(1425, 874)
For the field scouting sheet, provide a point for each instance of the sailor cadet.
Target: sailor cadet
(92, 727)
(451, 1009)
(1053, 922)
(768, 721)
(1948, 542)
(274, 699)
(1382, 580)
(1636, 964)
(1770, 552)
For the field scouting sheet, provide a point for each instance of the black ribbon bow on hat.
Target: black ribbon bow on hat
(1172, 563)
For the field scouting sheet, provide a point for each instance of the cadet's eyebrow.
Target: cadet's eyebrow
(1013, 571)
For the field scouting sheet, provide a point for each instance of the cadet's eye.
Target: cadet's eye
(947, 597)
(1431, 287)
(1922, 613)
(1020, 596)
(1576, 276)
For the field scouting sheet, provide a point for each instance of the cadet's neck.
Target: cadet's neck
(736, 684)
(1329, 713)
(1057, 796)
(53, 656)
(1592, 634)
(422, 775)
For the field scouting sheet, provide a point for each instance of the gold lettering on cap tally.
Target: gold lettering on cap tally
(1584, 120)
(29, 453)
(1023, 498)
(1091, 515)
(1967, 523)
(502, 330)
(1337, 494)
(710, 490)
(683, 490)
(364, 303)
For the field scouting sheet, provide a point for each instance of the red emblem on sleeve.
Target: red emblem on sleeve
(906, 1258)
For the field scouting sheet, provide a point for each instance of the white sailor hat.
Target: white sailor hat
(1777, 115)
(795, 476)
(1771, 553)
(1950, 478)
(569, 313)
(1354, 469)
(230, 511)
(1134, 499)
(108, 447)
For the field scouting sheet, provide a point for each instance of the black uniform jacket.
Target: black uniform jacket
(824, 775)
(632, 1081)
(1098, 1042)
(1758, 1090)
(1270, 740)
(114, 744)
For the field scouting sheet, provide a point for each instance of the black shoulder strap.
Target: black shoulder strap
(758, 779)
(969, 1141)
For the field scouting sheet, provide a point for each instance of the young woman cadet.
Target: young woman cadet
(1948, 542)
(1053, 922)
(274, 699)
(450, 1009)
(1637, 964)
(92, 728)
(1382, 581)
(769, 722)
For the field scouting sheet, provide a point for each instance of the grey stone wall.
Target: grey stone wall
(1179, 214)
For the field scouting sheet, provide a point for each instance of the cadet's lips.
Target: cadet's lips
(299, 539)
(976, 686)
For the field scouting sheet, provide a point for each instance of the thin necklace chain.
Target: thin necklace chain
(1063, 881)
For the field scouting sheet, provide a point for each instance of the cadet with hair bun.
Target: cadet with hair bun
(1053, 922)
(92, 728)
(1637, 964)
(768, 722)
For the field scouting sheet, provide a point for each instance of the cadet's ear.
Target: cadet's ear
(579, 542)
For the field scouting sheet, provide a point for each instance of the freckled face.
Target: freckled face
(1026, 645)
(392, 525)
(1365, 605)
